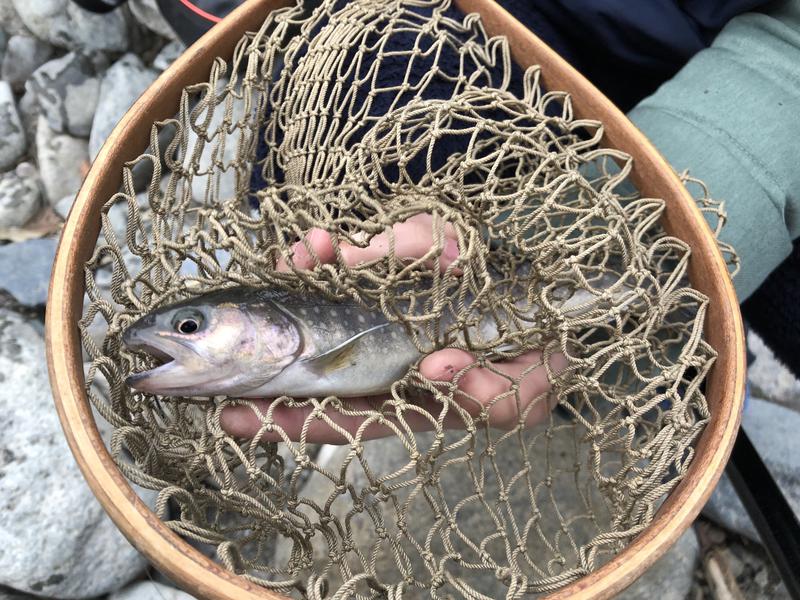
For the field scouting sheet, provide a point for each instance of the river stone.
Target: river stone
(670, 578)
(23, 56)
(149, 15)
(149, 590)
(773, 431)
(20, 196)
(67, 90)
(122, 84)
(57, 540)
(64, 24)
(12, 133)
(29, 285)
(61, 158)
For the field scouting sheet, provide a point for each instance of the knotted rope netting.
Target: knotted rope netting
(353, 118)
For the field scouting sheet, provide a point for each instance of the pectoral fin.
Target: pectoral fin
(341, 356)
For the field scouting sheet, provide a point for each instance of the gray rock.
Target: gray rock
(122, 84)
(67, 90)
(149, 15)
(12, 133)
(29, 285)
(20, 196)
(168, 55)
(773, 431)
(670, 578)
(23, 56)
(12, 24)
(60, 158)
(57, 540)
(149, 590)
(64, 24)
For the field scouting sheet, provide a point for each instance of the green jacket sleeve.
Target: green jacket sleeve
(732, 117)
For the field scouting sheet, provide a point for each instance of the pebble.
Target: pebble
(61, 158)
(57, 540)
(67, 90)
(12, 133)
(24, 54)
(64, 24)
(122, 84)
(20, 196)
(671, 576)
(29, 285)
(168, 55)
(150, 590)
(773, 431)
(149, 15)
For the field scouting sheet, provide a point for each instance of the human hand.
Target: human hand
(485, 391)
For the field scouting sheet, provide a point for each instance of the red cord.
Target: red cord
(200, 12)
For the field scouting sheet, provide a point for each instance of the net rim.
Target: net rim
(204, 578)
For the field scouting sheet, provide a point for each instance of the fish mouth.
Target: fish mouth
(164, 363)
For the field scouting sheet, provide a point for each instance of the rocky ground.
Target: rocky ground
(66, 77)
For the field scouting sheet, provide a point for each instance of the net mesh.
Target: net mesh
(352, 118)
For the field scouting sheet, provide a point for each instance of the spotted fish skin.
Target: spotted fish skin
(348, 350)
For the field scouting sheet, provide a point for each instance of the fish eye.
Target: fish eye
(187, 322)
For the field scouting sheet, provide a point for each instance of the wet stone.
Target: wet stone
(20, 197)
(168, 55)
(67, 91)
(12, 133)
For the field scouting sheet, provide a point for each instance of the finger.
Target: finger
(413, 238)
(492, 387)
(316, 242)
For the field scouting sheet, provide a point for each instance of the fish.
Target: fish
(266, 343)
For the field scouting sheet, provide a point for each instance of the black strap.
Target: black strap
(99, 6)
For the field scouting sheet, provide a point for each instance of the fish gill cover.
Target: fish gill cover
(354, 118)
